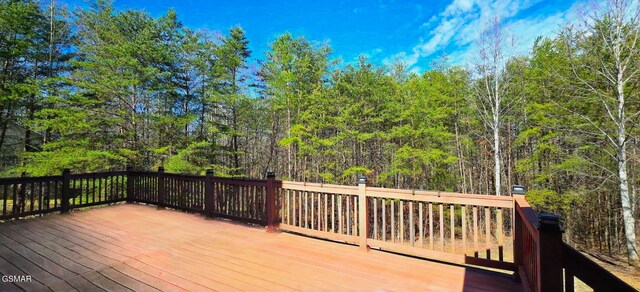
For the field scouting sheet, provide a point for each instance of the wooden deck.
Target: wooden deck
(136, 247)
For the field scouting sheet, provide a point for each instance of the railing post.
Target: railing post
(363, 216)
(271, 202)
(66, 178)
(22, 201)
(130, 194)
(550, 275)
(516, 230)
(209, 193)
(161, 189)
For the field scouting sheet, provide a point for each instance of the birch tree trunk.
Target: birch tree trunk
(496, 155)
(625, 198)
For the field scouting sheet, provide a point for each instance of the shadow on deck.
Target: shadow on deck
(137, 247)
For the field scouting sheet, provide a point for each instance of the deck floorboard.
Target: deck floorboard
(139, 248)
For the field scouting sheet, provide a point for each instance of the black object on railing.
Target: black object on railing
(518, 190)
(362, 179)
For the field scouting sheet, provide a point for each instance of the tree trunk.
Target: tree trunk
(625, 198)
(496, 156)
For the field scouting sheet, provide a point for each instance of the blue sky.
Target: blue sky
(415, 32)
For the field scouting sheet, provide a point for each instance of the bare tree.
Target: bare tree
(493, 85)
(607, 46)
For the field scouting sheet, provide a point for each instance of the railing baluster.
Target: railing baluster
(294, 212)
(441, 215)
(41, 195)
(431, 225)
(453, 228)
(349, 213)
(500, 234)
(393, 221)
(306, 209)
(340, 215)
(333, 213)
(475, 231)
(384, 219)
(288, 206)
(401, 221)
(421, 221)
(29, 196)
(5, 198)
(356, 218)
(80, 190)
(375, 218)
(319, 212)
(411, 224)
(14, 207)
(32, 196)
(326, 216)
(463, 213)
(315, 213)
(487, 228)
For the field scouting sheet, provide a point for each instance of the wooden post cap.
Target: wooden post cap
(549, 222)
(518, 190)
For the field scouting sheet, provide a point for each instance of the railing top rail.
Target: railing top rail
(239, 181)
(189, 177)
(28, 179)
(440, 194)
(143, 172)
(320, 188)
(442, 197)
(96, 174)
(589, 272)
(410, 195)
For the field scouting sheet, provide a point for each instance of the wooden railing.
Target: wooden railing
(320, 210)
(537, 248)
(27, 196)
(452, 227)
(589, 272)
(545, 263)
(232, 198)
(480, 230)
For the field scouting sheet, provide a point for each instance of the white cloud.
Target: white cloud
(458, 6)
(460, 24)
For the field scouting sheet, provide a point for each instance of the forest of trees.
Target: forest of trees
(100, 89)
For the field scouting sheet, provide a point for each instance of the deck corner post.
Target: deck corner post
(516, 230)
(550, 274)
(161, 189)
(209, 193)
(271, 202)
(130, 194)
(66, 190)
(363, 216)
